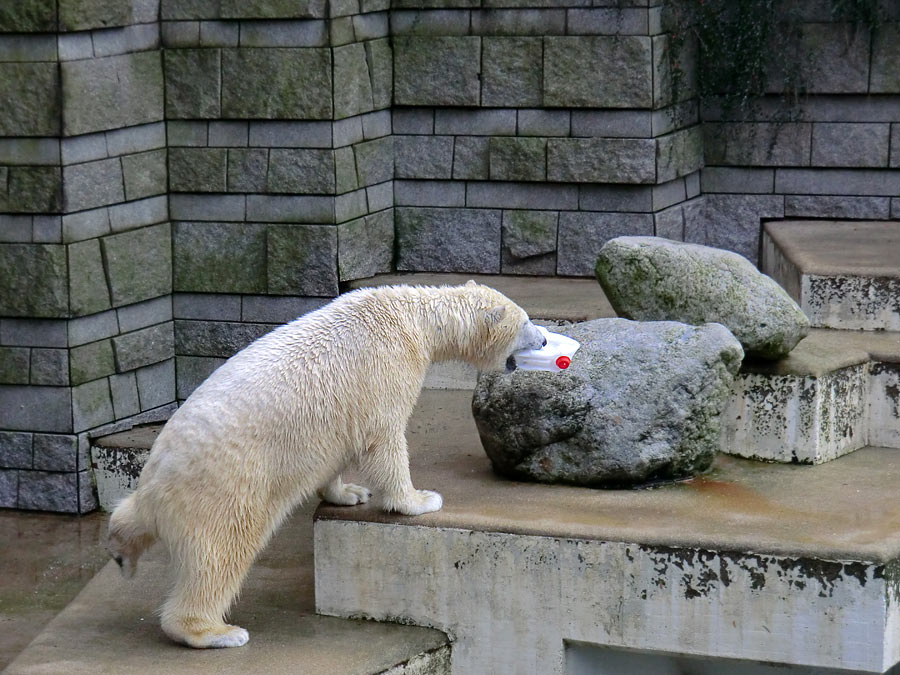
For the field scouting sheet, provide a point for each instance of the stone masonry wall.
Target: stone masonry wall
(280, 164)
(177, 177)
(524, 138)
(834, 155)
(86, 334)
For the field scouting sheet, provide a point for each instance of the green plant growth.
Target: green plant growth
(748, 49)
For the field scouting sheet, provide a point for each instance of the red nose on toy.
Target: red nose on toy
(563, 362)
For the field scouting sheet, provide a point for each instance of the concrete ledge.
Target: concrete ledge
(767, 562)
(844, 274)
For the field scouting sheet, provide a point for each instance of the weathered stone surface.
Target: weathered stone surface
(15, 450)
(91, 362)
(351, 70)
(679, 154)
(91, 405)
(597, 72)
(601, 160)
(366, 246)
(30, 95)
(144, 347)
(511, 71)
(42, 491)
(381, 69)
(35, 408)
(375, 161)
(834, 59)
(471, 157)
(93, 184)
(448, 240)
(423, 157)
(124, 395)
(529, 233)
(55, 452)
(854, 145)
(197, 169)
(32, 16)
(582, 235)
(247, 169)
(31, 189)
(215, 338)
(139, 264)
(640, 402)
(885, 75)
(14, 365)
(302, 260)
(276, 83)
(757, 144)
(518, 159)
(88, 292)
(652, 279)
(50, 367)
(301, 171)
(33, 280)
(192, 371)
(731, 221)
(145, 174)
(156, 384)
(437, 70)
(193, 82)
(112, 92)
(77, 15)
(219, 257)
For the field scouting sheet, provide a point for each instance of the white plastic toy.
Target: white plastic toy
(555, 356)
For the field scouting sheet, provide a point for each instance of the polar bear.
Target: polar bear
(281, 419)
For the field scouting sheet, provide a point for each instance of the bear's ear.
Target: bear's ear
(495, 314)
(471, 282)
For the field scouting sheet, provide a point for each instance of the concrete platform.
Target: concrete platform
(844, 274)
(776, 563)
(112, 627)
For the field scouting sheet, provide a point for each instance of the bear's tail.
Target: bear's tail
(129, 536)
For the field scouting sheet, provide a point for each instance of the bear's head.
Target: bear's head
(501, 329)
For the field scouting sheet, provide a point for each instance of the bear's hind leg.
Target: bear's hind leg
(208, 579)
(387, 466)
(344, 494)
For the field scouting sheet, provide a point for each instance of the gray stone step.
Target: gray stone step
(836, 392)
(844, 274)
(753, 562)
(112, 626)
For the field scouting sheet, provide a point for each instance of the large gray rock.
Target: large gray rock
(656, 279)
(640, 402)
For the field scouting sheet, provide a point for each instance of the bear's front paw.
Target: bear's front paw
(418, 502)
(347, 495)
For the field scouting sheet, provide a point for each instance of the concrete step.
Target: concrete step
(836, 392)
(844, 274)
(754, 562)
(112, 626)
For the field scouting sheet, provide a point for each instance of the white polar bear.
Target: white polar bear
(282, 419)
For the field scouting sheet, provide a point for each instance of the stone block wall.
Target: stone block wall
(524, 138)
(86, 334)
(280, 164)
(833, 155)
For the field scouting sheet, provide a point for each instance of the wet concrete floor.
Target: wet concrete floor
(45, 560)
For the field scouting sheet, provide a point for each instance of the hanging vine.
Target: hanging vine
(748, 49)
